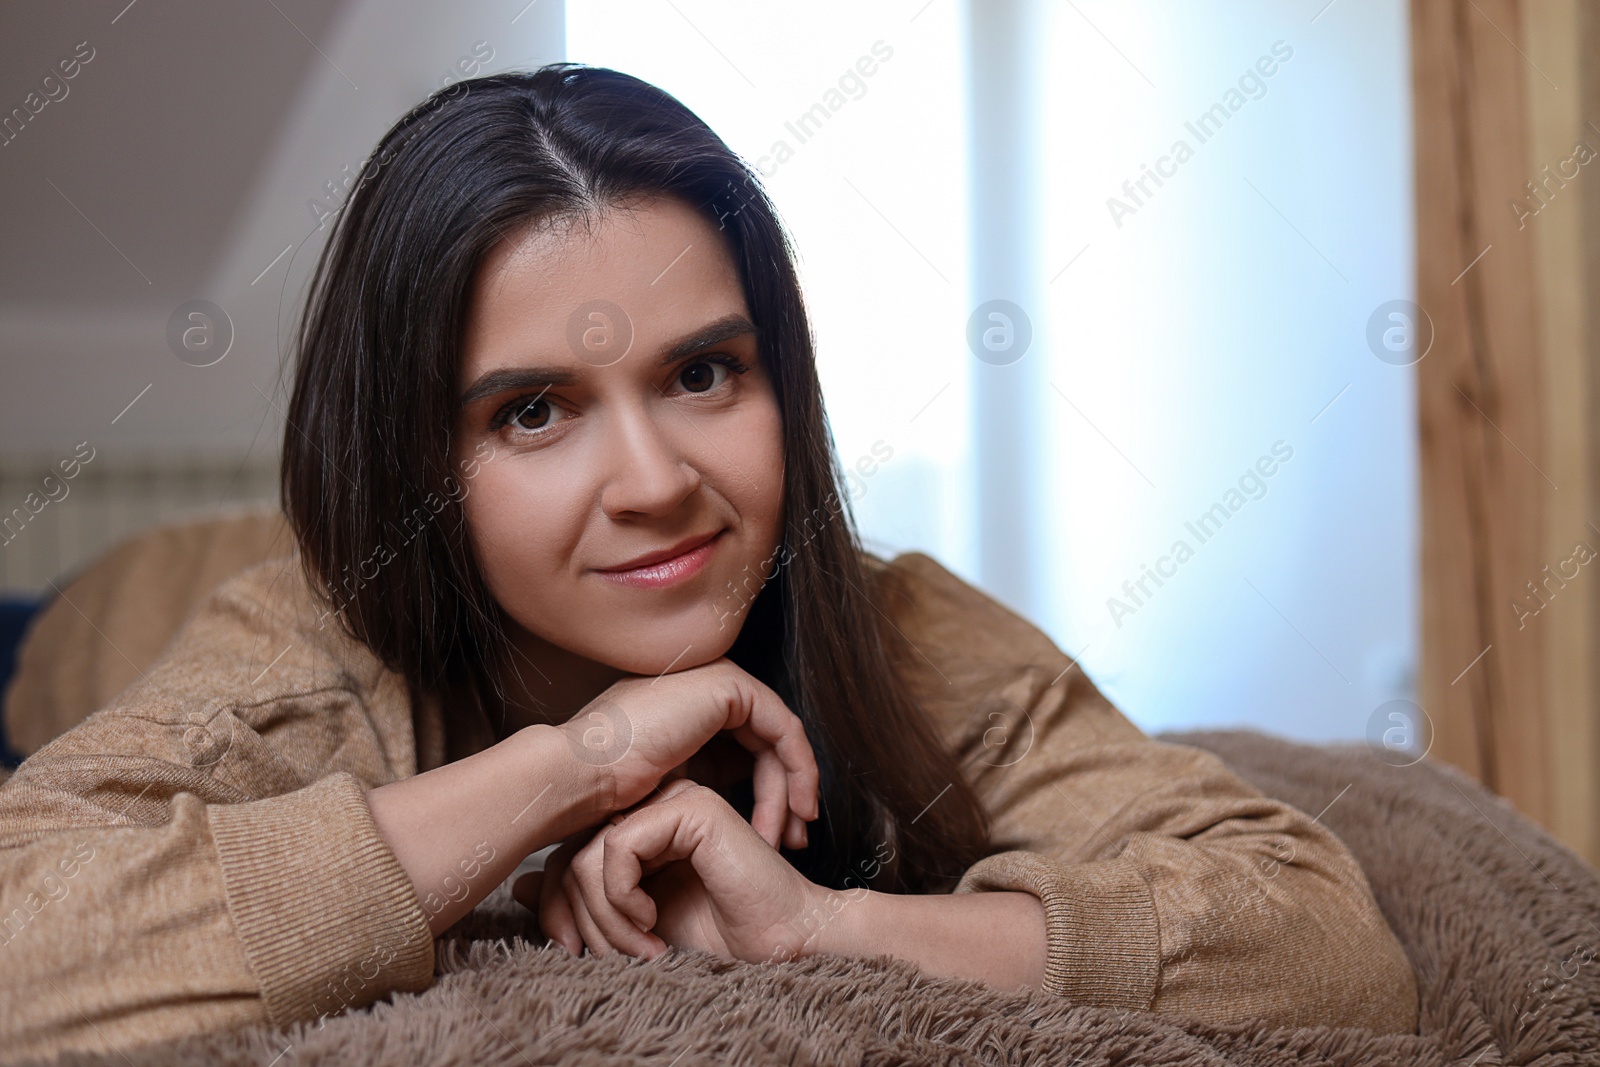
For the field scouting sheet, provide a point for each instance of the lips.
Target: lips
(688, 544)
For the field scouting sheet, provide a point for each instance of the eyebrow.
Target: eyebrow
(499, 381)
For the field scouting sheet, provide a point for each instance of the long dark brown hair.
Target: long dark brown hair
(367, 446)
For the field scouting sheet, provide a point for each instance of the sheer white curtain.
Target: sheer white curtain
(1231, 183)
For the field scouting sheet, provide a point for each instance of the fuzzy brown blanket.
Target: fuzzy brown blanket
(1498, 919)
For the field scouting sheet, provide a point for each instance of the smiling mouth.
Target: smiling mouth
(668, 567)
(651, 559)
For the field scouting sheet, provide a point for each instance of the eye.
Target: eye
(701, 376)
(532, 414)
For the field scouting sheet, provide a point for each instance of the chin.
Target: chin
(651, 654)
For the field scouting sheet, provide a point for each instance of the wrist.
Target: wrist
(999, 937)
(839, 921)
(577, 792)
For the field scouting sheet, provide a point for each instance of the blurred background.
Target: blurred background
(1117, 304)
(1176, 335)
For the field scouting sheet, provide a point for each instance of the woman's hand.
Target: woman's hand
(681, 869)
(642, 730)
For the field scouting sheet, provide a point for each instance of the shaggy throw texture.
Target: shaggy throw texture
(1498, 919)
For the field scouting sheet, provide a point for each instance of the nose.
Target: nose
(648, 472)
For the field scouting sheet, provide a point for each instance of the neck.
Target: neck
(548, 684)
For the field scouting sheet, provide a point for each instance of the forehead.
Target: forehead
(665, 265)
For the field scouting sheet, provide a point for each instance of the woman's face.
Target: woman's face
(612, 378)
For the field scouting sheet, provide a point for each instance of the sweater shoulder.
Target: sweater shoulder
(938, 608)
(260, 636)
(260, 685)
(972, 662)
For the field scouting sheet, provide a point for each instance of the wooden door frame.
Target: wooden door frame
(1506, 398)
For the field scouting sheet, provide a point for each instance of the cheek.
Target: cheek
(518, 532)
(757, 478)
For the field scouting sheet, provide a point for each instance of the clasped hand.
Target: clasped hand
(677, 864)
(682, 868)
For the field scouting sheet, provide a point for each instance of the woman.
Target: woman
(573, 569)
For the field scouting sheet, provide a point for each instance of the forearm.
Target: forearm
(995, 937)
(460, 830)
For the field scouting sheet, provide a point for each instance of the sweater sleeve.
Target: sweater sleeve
(1169, 884)
(201, 856)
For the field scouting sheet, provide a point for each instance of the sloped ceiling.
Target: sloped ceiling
(177, 164)
(155, 142)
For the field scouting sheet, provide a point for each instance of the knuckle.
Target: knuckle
(701, 796)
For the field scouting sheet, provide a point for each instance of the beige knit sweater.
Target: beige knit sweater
(199, 854)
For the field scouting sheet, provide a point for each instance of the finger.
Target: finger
(770, 729)
(665, 793)
(796, 835)
(593, 939)
(554, 918)
(556, 914)
(773, 809)
(617, 926)
(676, 786)
(649, 835)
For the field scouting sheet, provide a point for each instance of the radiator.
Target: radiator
(51, 524)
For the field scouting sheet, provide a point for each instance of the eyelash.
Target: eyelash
(502, 418)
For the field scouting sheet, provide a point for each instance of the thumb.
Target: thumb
(525, 890)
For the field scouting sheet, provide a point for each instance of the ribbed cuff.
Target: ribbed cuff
(328, 917)
(1104, 944)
